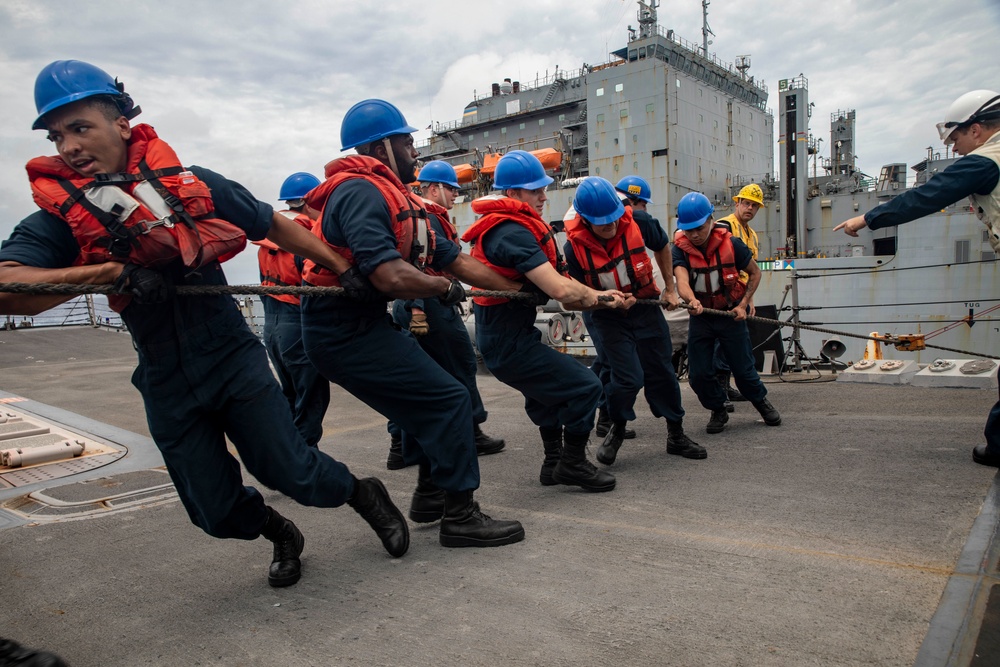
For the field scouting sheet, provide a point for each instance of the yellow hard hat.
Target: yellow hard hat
(751, 192)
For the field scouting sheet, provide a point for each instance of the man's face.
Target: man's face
(746, 210)
(87, 141)
(406, 156)
(443, 194)
(533, 198)
(604, 232)
(965, 139)
(699, 235)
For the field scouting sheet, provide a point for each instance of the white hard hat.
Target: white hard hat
(972, 107)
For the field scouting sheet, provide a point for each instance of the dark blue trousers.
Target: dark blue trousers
(636, 344)
(734, 340)
(211, 382)
(558, 390)
(389, 372)
(307, 392)
(992, 431)
(448, 344)
(600, 366)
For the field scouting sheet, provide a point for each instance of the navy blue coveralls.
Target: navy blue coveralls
(635, 344)
(204, 376)
(357, 346)
(733, 339)
(307, 392)
(559, 392)
(972, 174)
(447, 341)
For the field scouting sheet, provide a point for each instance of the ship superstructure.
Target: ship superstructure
(671, 112)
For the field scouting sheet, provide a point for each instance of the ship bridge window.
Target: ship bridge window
(619, 87)
(599, 92)
(642, 52)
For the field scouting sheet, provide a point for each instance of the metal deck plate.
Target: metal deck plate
(24, 432)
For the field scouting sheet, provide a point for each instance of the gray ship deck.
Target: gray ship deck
(850, 535)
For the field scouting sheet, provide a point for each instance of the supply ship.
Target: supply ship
(667, 110)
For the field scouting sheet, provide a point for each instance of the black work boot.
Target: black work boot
(732, 394)
(717, 421)
(12, 653)
(574, 469)
(552, 442)
(464, 525)
(604, 425)
(678, 443)
(485, 445)
(608, 451)
(767, 411)
(728, 405)
(395, 459)
(373, 503)
(428, 500)
(286, 568)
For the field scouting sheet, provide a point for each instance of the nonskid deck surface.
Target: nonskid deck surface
(829, 540)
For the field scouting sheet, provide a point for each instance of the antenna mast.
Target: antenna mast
(705, 29)
(647, 18)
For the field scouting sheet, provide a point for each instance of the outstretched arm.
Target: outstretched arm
(33, 304)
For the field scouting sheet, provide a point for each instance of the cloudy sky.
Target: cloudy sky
(256, 90)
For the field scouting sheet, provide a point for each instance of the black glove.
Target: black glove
(538, 297)
(357, 287)
(145, 285)
(454, 295)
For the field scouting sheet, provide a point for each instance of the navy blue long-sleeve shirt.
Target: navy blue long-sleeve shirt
(972, 174)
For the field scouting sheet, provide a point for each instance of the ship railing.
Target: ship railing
(696, 49)
(86, 310)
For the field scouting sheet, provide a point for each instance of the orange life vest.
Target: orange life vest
(277, 266)
(414, 237)
(152, 214)
(495, 209)
(618, 263)
(450, 232)
(715, 279)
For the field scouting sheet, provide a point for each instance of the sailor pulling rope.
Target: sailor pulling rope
(906, 343)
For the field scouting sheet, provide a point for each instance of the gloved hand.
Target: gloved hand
(357, 287)
(418, 323)
(145, 285)
(454, 295)
(539, 298)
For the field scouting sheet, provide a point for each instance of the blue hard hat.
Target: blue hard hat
(521, 170)
(693, 210)
(438, 171)
(66, 81)
(371, 120)
(597, 201)
(634, 187)
(297, 186)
